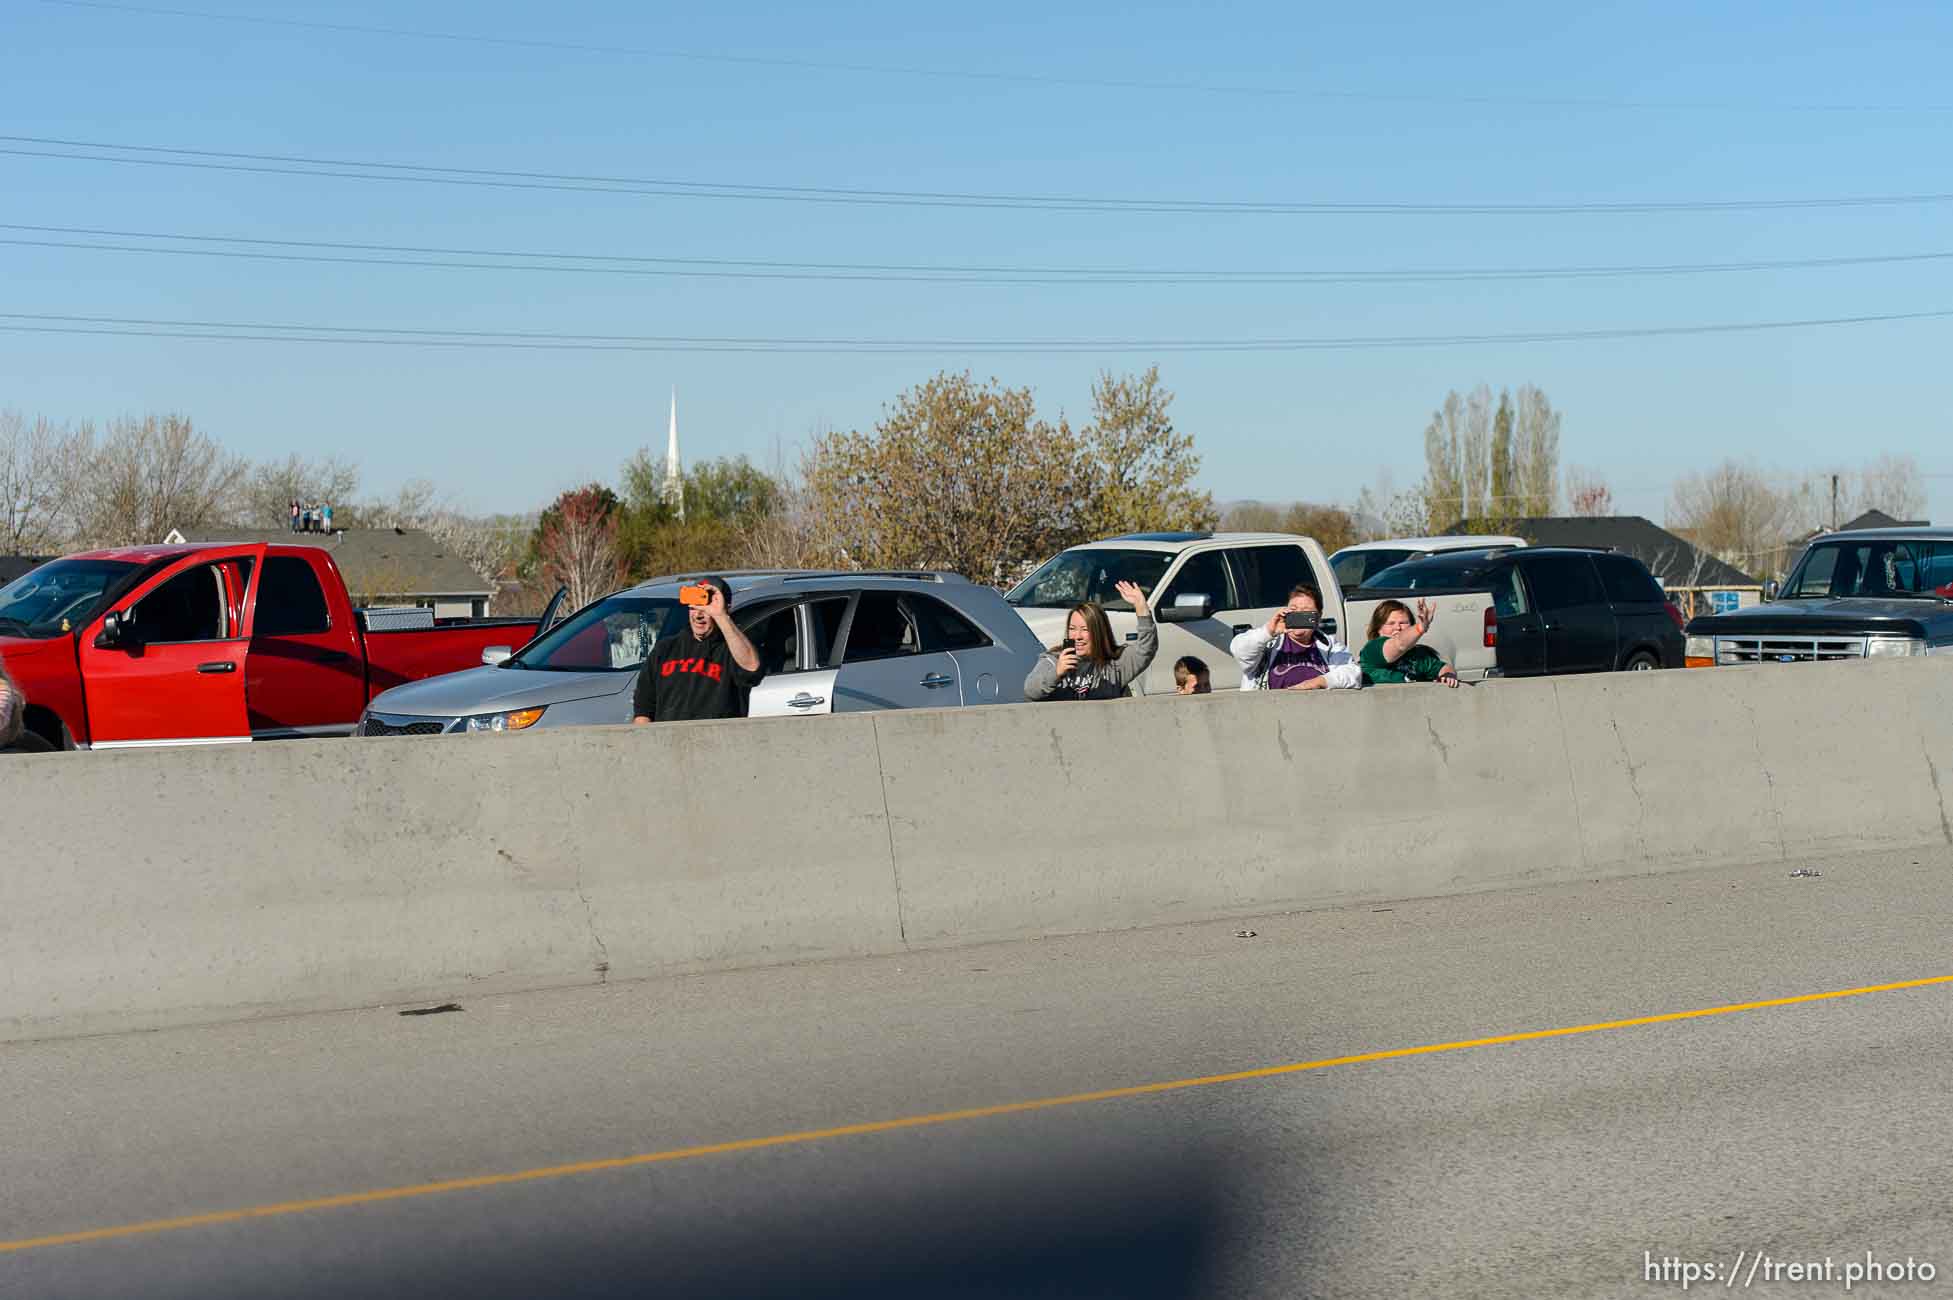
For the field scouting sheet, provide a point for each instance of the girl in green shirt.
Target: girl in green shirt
(1392, 653)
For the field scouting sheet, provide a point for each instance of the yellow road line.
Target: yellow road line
(913, 1121)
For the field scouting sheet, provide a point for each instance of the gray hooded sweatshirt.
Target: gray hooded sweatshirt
(1093, 681)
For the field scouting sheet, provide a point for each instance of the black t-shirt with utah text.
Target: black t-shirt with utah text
(686, 679)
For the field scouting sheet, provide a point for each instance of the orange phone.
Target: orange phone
(698, 595)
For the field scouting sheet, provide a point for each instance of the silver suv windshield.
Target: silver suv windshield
(1075, 576)
(1881, 568)
(611, 636)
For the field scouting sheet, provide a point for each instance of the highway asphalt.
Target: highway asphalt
(1564, 1165)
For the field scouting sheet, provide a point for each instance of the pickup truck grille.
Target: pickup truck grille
(378, 726)
(1787, 650)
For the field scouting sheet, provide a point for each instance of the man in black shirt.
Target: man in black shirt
(705, 671)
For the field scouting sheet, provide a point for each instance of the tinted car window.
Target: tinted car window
(1626, 581)
(290, 600)
(1433, 573)
(1268, 573)
(610, 636)
(942, 628)
(881, 629)
(828, 614)
(1204, 574)
(776, 635)
(189, 607)
(1354, 568)
(1093, 574)
(1508, 593)
(1873, 568)
(1562, 581)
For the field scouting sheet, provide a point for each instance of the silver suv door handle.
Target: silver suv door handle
(934, 680)
(806, 701)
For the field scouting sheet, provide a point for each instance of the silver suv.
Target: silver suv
(829, 642)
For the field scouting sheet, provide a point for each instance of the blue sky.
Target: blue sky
(1654, 102)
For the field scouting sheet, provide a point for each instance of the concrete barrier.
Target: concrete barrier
(156, 887)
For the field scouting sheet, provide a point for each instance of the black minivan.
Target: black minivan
(1559, 609)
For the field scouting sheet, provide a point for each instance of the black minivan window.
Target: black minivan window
(1626, 581)
(1562, 581)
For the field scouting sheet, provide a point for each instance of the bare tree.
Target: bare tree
(1443, 490)
(1733, 512)
(36, 483)
(148, 476)
(1503, 502)
(1536, 454)
(266, 493)
(1252, 517)
(1477, 470)
(577, 544)
(1892, 483)
(1587, 492)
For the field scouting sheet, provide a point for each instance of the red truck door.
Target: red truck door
(306, 675)
(167, 664)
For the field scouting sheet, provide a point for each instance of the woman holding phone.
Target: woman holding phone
(1293, 653)
(1088, 664)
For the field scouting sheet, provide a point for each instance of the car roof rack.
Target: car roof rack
(915, 575)
(1162, 537)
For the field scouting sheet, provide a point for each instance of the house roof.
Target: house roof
(374, 561)
(1879, 519)
(1674, 560)
(12, 566)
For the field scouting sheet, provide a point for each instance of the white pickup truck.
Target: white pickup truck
(1206, 588)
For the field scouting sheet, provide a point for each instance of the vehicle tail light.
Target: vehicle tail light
(1674, 615)
(1491, 627)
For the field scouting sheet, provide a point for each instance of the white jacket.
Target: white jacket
(1254, 651)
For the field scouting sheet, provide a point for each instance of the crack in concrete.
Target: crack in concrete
(1444, 750)
(590, 922)
(888, 822)
(1945, 827)
(1763, 766)
(1281, 738)
(1572, 785)
(1634, 784)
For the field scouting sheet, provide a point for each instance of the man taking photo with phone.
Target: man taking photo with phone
(708, 670)
(1292, 653)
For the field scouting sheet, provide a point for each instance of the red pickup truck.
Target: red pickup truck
(172, 645)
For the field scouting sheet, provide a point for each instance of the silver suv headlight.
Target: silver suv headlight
(515, 720)
(1881, 647)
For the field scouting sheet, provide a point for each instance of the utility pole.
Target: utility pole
(1834, 503)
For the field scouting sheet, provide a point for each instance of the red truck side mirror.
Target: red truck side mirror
(115, 633)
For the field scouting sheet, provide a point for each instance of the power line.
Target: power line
(1009, 78)
(386, 336)
(493, 178)
(423, 256)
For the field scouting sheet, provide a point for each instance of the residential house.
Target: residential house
(1879, 519)
(1695, 580)
(381, 566)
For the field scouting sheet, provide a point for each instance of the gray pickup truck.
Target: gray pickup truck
(1875, 594)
